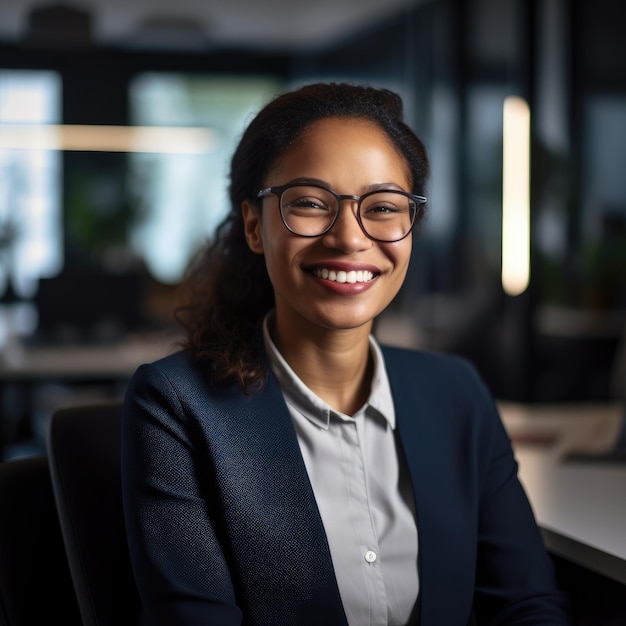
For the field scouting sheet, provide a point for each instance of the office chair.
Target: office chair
(35, 583)
(84, 456)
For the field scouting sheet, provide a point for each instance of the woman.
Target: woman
(286, 469)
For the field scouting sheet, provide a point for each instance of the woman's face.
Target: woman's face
(350, 156)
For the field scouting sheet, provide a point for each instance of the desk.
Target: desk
(26, 369)
(76, 362)
(580, 506)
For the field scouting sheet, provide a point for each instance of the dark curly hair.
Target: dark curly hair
(227, 292)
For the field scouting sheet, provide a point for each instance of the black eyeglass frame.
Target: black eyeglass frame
(278, 191)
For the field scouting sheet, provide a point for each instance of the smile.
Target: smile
(360, 276)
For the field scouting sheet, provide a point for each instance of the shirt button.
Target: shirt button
(370, 556)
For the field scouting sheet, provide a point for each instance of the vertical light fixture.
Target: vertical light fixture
(515, 196)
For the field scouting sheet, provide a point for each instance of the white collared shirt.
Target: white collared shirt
(363, 493)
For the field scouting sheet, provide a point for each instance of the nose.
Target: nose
(346, 233)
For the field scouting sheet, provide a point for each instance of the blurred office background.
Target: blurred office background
(95, 237)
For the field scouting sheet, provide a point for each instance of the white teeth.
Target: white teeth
(360, 276)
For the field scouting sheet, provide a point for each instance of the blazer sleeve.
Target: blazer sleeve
(178, 560)
(515, 581)
(479, 541)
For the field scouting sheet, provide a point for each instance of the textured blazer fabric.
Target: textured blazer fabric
(223, 526)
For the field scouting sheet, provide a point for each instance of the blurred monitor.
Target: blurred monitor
(88, 305)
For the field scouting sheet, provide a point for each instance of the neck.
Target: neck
(334, 364)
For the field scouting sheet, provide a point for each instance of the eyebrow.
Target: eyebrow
(322, 183)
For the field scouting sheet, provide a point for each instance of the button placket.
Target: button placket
(370, 556)
(363, 521)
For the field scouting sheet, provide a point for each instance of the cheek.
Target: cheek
(400, 254)
(278, 248)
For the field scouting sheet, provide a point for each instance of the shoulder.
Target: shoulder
(430, 365)
(444, 382)
(176, 366)
(186, 380)
(173, 362)
(176, 380)
(442, 403)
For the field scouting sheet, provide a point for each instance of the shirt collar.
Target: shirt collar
(302, 399)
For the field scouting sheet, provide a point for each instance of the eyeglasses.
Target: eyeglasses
(311, 210)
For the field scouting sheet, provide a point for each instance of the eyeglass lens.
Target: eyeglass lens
(310, 211)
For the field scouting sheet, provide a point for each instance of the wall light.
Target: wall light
(159, 139)
(516, 196)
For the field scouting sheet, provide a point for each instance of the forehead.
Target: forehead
(329, 127)
(333, 145)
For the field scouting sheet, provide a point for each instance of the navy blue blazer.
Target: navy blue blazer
(223, 526)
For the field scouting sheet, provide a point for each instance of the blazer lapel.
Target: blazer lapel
(272, 518)
(423, 422)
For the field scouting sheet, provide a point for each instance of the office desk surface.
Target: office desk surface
(580, 505)
(115, 360)
(37, 380)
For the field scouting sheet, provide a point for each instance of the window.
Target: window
(30, 206)
(181, 198)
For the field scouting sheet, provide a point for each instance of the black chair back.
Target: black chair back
(35, 583)
(84, 454)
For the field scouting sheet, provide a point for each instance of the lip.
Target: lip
(343, 266)
(348, 287)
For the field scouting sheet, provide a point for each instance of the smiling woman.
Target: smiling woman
(364, 160)
(286, 468)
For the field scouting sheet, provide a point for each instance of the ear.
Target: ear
(252, 226)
